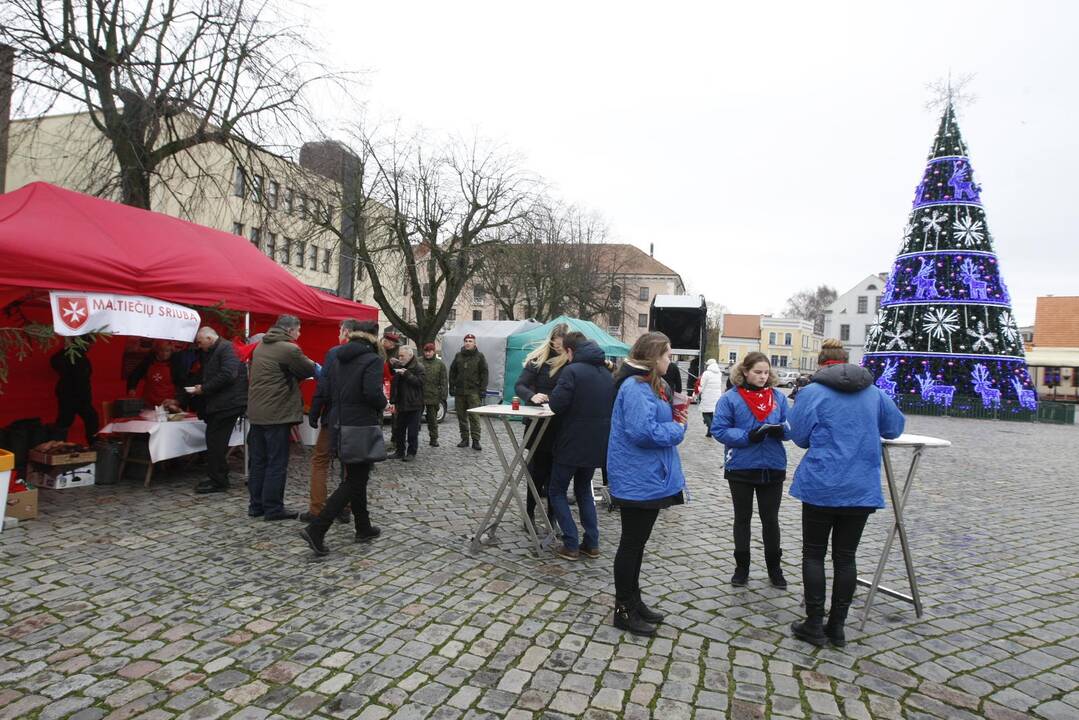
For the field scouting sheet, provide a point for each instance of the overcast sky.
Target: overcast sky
(762, 147)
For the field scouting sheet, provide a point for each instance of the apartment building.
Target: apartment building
(790, 342)
(852, 314)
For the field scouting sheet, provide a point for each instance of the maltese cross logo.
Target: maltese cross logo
(73, 311)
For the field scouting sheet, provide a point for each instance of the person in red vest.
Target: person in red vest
(158, 372)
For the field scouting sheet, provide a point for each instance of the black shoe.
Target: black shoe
(463, 443)
(647, 614)
(254, 513)
(810, 631)
(314, 542)
(308, 517)
(368, 535)
(345, 517)
(476, 445)
(741, 576)
(409, 458)
(207, 487)
(286, 515)
(627, 618)
(434, 442)
(834, 631)
(395, 456)
(775, 575)
(708, 435)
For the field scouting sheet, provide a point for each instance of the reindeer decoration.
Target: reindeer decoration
(940, 394)
(886, 381)
(962, 186)
(1027, 398)
(925, 282)
(983, 385)
(978, 287)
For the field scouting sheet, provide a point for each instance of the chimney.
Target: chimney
(7, 72)
(651, 249)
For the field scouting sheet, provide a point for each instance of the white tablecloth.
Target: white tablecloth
(172, 439)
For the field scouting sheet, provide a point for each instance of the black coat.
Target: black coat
(673, 376)
(583, 398)
(406, 389)
(535, 380)
(224, 380)
(354, 383)
(74, 382)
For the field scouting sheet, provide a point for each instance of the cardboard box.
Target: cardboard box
(22, 505)
(61, 477)
(71, 458)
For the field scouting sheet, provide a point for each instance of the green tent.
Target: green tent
(520, 345)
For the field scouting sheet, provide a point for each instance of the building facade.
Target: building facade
(790, 342)
(853, 313)
(1053, 360)
(740, 335)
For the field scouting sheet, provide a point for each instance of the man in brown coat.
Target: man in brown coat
(274, 405)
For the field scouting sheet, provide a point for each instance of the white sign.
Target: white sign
(79, 313)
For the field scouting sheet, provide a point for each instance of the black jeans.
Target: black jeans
(540, 469)
(768, 499)
(218, 431)
(637, 526)
(351, 491)
(268, 445)
(707, 417)
(69, 407)
(406, 425)
(845, 528)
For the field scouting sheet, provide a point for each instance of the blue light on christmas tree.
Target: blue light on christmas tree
(945, 331)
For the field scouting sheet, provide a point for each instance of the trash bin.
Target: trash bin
(7, 463)
(107, 470)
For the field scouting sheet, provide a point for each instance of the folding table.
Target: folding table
(918, 443)
(514, 470)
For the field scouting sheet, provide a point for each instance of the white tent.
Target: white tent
(491, 338)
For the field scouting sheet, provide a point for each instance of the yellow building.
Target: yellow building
(790, 342)
(741, 335)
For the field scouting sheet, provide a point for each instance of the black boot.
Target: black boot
(775, 570)
(741, 570)
(313, 538)
(463, 444)
(811, 630)
(647, 614)
(627, 618)
(834, 628)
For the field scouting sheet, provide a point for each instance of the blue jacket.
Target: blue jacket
(582, 400)
(841, 417)
(731, 425)
(642, 456)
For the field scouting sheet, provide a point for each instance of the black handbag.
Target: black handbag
(360, 444)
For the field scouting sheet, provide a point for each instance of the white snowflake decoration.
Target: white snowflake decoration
(908, 231)
(875, 329)
(934, 221)
(897, 337)
(940, 323)
(968, 230)
(982, 337)
(1008, 328)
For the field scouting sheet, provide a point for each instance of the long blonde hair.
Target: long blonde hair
(545, 354)
(646, 353)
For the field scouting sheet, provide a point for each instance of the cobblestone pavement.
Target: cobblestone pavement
(125, 602)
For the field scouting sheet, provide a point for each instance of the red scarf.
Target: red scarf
(760, 402)
(832, 362)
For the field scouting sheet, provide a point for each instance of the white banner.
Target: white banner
(79, 313)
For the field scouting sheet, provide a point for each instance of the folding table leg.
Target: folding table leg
(486, 527)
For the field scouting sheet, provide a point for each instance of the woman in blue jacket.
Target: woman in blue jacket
(751, 421)
(644, 470)
(841, 417)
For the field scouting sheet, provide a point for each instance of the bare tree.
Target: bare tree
(161, 78)
(810, 305)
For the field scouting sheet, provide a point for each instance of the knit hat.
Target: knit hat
(429, 346)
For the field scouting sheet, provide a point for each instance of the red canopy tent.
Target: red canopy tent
(57, 239)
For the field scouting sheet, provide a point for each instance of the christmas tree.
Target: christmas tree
(945, 332)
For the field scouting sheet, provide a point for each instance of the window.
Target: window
(787, 339)
(326, 261)
(479, 294)
(238, 229)
(502, 315)
(772, 340)
(238, 182)
(425, 290)
(870, 286)
(272, 193)
(256, 237)
(844, 332)
(256, 188)
(312, 257)
(775, 361)
(271, 245)
(301, 251)
(782, 361)
(642, 320)
(453, 314)
(732, 356)
(616, 295)
(477, 315)
(301, 202)
(504, 290)
(286, 251)
(614, 320)
(643, 294)
(877, 299)
(805, 342)
(290, 200)
(329, 214)
(863, 304)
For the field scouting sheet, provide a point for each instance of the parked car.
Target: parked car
(787, 376)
